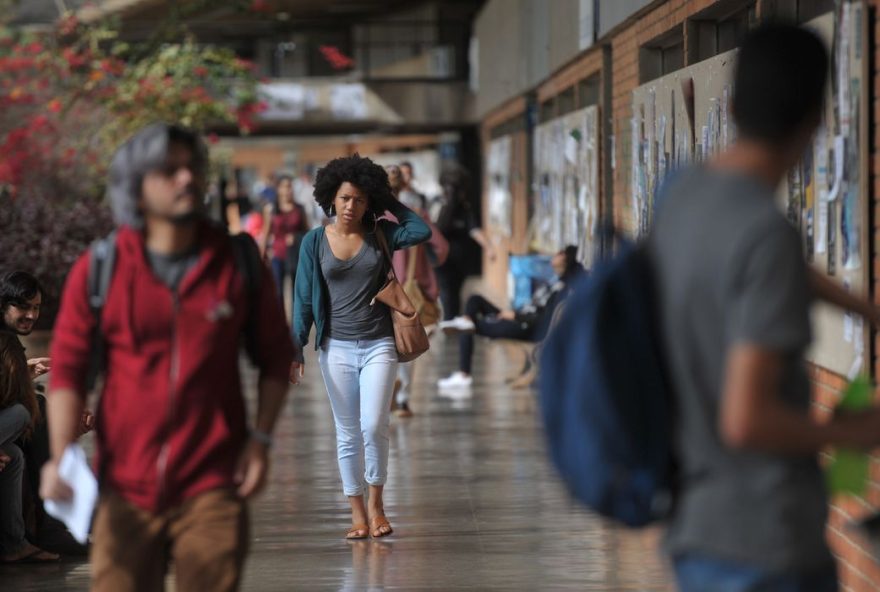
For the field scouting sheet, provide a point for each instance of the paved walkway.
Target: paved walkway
(471, 495)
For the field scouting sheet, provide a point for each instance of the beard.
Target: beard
(187, 218)
(24, 328)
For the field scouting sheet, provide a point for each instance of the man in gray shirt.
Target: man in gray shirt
(734, 294)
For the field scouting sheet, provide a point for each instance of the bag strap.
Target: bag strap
(102, 263)
(383, 243)
(413, 254)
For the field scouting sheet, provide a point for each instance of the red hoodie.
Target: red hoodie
(171, 419)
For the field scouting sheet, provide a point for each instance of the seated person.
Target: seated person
(529, 323)
(44, 530)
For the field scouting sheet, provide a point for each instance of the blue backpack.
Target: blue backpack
(604, 394)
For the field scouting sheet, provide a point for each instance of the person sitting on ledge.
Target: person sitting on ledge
(529, 323)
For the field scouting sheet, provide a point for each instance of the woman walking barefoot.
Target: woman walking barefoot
(341, 268)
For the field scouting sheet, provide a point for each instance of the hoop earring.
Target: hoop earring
(375, 223)
(332, 210)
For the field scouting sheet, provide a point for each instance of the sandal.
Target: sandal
(357, 532)
(378, 522)
(35, 556)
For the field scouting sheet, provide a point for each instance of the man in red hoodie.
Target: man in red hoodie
(175, 458)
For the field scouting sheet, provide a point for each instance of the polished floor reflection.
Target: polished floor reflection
(472, 498)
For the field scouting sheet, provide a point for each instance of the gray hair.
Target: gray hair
(146, 151)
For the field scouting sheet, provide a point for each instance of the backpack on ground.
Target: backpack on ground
(102, 264)
(604, 394)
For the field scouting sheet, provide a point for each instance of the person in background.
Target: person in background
(408, 194)
(285, 232)
(236, 204)
(20, 301)
(269, 193)
(459, 223)
(303, 189)
(529, 323)
(433, 253)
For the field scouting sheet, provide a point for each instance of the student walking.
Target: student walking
(421, 260)
(734, 297)
(175, 458)
(286, 230)
(341, 269)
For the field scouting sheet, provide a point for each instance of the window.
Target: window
(662, 55)
(719, 28)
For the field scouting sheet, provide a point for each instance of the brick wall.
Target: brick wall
(858, 571)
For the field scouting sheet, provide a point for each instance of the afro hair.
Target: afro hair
(361, 172)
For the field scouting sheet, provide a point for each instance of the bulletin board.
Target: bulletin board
(566, 174)
(825, 196)
(665, 136)
(499, 191)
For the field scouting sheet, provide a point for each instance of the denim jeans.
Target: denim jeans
(280, 270)
(359, 376)
(405, 376)
(13, 421)
(487, 323)
(696, 573)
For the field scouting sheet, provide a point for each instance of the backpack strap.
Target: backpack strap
(250, 265)
(102, 263)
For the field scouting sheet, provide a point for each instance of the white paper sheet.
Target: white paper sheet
(77, 513)
(839, 147)
(822, 226)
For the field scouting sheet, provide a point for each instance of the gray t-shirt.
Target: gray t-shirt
(730, 270)
(170, 269)
(352, 284)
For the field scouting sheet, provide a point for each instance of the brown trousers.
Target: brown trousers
(206, 538)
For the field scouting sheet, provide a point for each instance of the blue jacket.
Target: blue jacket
(310, 298)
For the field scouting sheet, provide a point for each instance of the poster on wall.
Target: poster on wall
(677, 119)
(566, 209)
(500, 203)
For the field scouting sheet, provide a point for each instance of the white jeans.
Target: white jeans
(359, 376)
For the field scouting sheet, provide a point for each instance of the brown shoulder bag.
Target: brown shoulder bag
(409, 334)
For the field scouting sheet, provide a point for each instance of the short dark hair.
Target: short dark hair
(17, 288)
(570, 253)
(361, 172)
(779, 83)
(406, 163)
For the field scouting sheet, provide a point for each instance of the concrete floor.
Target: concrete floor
(471, 495)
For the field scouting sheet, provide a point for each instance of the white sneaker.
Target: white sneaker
(457, 325)
(456, 380)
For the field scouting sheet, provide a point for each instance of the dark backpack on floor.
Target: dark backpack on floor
(604, 395)
(102, 264)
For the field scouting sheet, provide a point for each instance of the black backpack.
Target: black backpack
(102, 262)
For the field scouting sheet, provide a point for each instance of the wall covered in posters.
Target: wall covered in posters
(826, 196)
(682, 118)
(566, 177)
(677, 119)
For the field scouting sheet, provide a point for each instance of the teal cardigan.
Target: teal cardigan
(310, 297)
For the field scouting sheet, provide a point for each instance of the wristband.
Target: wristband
(262, 437)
